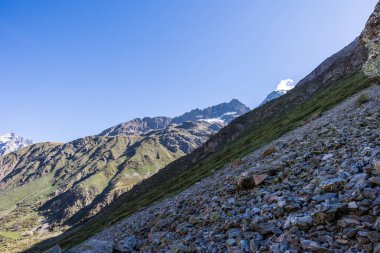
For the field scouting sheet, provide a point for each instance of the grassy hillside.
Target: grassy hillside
(46, 188)
(162, 186)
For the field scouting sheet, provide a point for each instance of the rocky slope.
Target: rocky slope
(338, 77)
(11, 142)
(316, 189)
(222, 113)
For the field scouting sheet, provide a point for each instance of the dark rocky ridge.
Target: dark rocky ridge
(234, 107)
(224, 112)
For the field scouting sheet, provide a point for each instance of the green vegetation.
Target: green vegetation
(10, 235)
(34, 191)
(363, 98)
(269, 151)
(251, 139)
(18, 211)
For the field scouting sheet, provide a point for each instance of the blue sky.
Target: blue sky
(73, 68)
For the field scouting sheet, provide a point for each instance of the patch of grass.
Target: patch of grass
(236, 163)
(269, 151)
(362, 98)
(33, 191)
(10, 235)
(252, 138)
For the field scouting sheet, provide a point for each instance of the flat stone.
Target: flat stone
(333, 184)
(96, 246)
(374, 180)
(327, 156)
(352, 206)
(324, 197)
(313, 246)
(258, 179)
(234, 232)
(267, 228)
(303, 222)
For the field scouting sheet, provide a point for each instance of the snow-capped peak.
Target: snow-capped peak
(282, 87)
(285, 85)
(11, 142)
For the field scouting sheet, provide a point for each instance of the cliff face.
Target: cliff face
(371, 38)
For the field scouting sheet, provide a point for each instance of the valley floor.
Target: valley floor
(324, 196)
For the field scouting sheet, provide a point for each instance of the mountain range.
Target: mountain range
(290, 196)
(58, 195)
(55, 185)
(222, 114)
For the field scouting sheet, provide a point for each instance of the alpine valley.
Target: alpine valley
(300, 173)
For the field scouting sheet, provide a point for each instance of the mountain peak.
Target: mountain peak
(285, 85)
(282, 87)
(222, 113)
(11, 142)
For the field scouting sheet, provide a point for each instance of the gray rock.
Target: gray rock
(128, 244)
(313, 246)
(332, 185)
(96, 246)
(303, 222)
(267, 229)
(324, 197)
(234, 233)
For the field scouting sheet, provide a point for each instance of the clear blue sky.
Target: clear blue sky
(72, 68)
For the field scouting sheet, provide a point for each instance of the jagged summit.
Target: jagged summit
(11, 142)
(222, 113)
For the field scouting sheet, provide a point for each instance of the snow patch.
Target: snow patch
(214, 120)
(229, 113)
(285, 85)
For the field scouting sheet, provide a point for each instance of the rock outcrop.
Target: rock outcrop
(371, 37)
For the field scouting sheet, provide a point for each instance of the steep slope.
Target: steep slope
(221, 113)
(12, 142)
(317, 190)
(337, 78)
